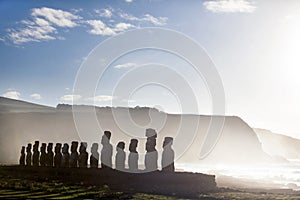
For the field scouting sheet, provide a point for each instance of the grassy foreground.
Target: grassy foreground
(15, 188)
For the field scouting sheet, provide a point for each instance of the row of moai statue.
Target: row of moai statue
(62, 158)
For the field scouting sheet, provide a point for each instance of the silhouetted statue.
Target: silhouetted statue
(133, 157)
(58, 155)
(74, 154)
(36, 154)
(167, 161)
(22, 157)
(83, 156)
(28, 155)
(107, 150)
(43, 157)
(151, 156)
(94, 158)
(65, 156)
(120, 156)
(50, 155)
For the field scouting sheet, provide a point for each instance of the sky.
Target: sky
(253, 44)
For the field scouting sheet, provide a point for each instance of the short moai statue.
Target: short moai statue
(107, 150)
(28, 155)
(94, 158)
(65, 156)
(58, 155)
(50, 155)
(43, 157)
(120, 156)
(83, 155)
(36, 154)
(167, 161)
(133, 157)
(22, 157)
(151, 156)
(74, 154)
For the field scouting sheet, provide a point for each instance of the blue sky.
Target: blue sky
(254, 45)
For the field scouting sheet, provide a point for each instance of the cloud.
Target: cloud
(101, 98)
(55, 16)
(122, 27)
(158, 21)
(12, 95)
(36, 96)
(43, 25)
(107, 12)
(100, 28)
(129, 1)
(70, 97)
(125, 65)
(229, 6)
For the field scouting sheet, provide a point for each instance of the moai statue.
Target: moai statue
(151, 156)
(83, 156)
(28, 155)
(58, 155)
(43, 157)
(74, 154)
(36, 154)
(167, 161)
(133, 157)
(94, 158)
(107, 150)
(65, 156)
(22, 157)
(120, 157)
(50, 155)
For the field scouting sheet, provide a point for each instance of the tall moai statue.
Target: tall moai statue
(36, 154)
(22, 156)
(151, 156)
(74, 154)
(133, 157)
(28, 155)
(43, 157)
(65, 156)
(107, 150)
(120, 156)
(167, 161)
(83, 155)
(58, 155)
(94, 158)
(50, 155)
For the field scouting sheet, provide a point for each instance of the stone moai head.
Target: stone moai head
(65, 148)
(94, 148)
(133, 145)
(106, 137)
(28, 148)
(57, 147)
(23, 150)
(82, 147)
(43, 147)
(50, 147)
(168, 142)
(151, 133)
(36, 146)
(74, 146)
(120, 146)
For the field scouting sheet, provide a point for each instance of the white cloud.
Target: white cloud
(70, 97)
(122, 27)
(99, 28)
(101, 98)
(36, 96)
(125, 65)
(107, 12)
(55, 16)
(158, 21)
(12, 95)
(129, 1)
(42, 25)
(229, 6)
